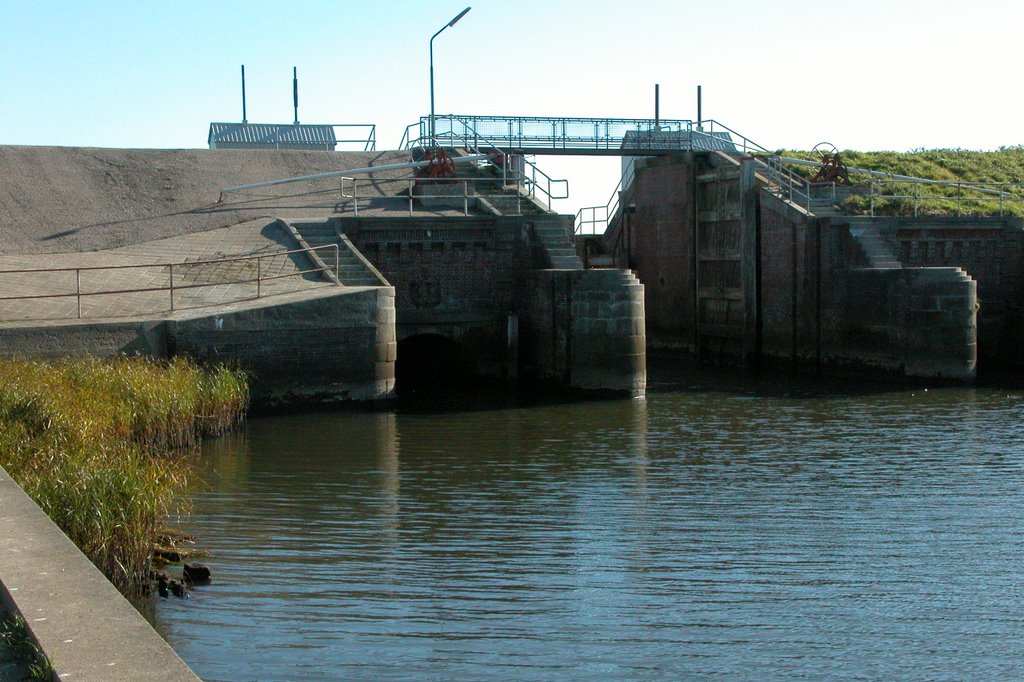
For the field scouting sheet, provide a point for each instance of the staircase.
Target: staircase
(353, 269)
(554, 240)
(875, 249)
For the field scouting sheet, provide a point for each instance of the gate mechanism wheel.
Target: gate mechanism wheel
(832, 167)
(439, 165)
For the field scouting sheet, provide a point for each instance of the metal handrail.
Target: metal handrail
(610, 209)
(985, 192)
(350, 195)
(479, 144)
(171, 288)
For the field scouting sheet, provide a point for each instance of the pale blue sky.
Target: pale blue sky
(862, 75)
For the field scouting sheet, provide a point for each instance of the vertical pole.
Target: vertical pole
(295, 93)
(337, 264)
(78, 291)
(259, 276)
(244, 120)
(432, 142)
(699, 116)
(170, 268)
(657, 111)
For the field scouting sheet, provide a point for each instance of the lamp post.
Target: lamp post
(433, 140)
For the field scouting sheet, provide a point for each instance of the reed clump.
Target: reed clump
(103, 446)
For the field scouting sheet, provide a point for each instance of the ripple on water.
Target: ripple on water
(700, 533)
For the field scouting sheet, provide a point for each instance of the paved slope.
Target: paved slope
(59, 199)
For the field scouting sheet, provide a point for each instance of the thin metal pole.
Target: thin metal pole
(78, 291)
(170, 268)
(259, 276)
(433, 138)
(244, 119)
(337, 266)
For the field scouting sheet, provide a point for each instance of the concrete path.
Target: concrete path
(145, 265)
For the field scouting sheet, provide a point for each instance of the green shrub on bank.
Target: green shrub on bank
(101, 446)
(1004, 165)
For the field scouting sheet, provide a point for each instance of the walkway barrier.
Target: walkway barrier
(515, 167)
(179, 277)
(560, 135)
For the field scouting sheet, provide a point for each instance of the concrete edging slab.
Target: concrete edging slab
(83, 624)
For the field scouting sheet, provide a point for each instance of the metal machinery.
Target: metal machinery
(439, 165)
(832, 167)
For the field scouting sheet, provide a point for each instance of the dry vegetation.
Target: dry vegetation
(102, 446)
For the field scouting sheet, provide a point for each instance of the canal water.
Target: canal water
(722, 528)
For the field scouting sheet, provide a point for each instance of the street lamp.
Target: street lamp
(433, 140)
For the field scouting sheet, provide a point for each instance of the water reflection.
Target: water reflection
(726, 530)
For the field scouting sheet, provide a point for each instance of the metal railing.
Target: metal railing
(590, 218)
(171, 288)
(531, 177)
(566, 134)
(464, 190)
(960, 192)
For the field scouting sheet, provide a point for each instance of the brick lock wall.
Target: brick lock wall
(663, 249)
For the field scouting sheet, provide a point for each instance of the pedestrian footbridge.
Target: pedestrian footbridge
(582, 136)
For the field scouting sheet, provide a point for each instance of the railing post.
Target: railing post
(465, 197)
(337, 264)
(78, 291)
(170, 270)
(259, 276)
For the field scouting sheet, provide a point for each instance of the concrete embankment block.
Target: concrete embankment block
(336, 345)
(80, 621)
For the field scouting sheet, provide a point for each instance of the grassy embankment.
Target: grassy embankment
(102, 446)
(1005, 165)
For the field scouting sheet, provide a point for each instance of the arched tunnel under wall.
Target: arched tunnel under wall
(431, 362)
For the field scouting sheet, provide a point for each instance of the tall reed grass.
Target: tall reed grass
(102, 446)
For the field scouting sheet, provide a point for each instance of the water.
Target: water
(716, 530)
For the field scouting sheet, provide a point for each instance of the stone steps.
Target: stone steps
(352, 271)
(556, 243)
(874, 248)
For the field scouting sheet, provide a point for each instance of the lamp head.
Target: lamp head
(456, 19)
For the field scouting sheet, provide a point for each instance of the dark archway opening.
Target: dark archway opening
(430, 364)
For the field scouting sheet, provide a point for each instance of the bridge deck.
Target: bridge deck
(580, 136)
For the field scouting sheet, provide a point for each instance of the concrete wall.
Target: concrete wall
(991, 250)
(456, 277)
(816, 307)
(476, 281)
(585, 329)
(791, 282)
(328, 345)
(657, 241)
(336, 345)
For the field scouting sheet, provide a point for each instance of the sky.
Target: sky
(866, 75)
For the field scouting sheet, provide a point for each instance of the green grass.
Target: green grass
(102, 446)
(1005, 165)
(16, 644)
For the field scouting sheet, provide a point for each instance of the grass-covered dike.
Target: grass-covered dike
(1000, 173)
(103, 446)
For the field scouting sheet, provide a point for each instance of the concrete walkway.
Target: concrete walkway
(142, 266)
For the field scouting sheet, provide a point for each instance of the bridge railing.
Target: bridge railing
(71, 279)
(531, 178)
